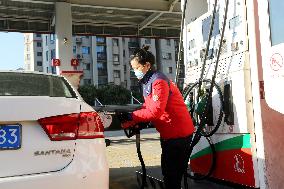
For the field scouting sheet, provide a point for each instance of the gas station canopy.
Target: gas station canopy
(144, 18)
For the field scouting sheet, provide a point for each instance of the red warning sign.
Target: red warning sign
(276, 62)
(55, 62)
(74, 62)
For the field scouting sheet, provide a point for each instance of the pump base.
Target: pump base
(154, 180)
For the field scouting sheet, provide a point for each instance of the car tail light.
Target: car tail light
(91, 125)
(73, 126)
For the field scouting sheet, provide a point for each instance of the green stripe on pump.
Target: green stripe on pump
(238, 142)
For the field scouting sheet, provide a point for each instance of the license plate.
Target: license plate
(10, 137)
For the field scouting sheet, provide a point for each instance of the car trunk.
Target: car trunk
(26, 148)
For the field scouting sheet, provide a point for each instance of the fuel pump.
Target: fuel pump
(233, 112)
(201, 109)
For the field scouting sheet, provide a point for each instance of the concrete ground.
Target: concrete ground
(124, 163)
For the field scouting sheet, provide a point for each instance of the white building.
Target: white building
(102, 59)
(33, 52)
(166, 57)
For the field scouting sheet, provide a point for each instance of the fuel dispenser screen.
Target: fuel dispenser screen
(206, 26)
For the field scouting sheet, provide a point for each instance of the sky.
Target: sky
(11, 50)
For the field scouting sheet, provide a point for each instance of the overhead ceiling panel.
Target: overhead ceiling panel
(95, 17)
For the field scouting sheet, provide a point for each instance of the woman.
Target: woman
(165, 109)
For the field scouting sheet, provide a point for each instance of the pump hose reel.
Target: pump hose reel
(197, 109)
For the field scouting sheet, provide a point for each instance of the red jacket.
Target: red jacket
(164, 107)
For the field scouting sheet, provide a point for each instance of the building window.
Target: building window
(116, 73)
(39, 63)
(102, 69)
(133, 45)
(148, 41)
(74, 49)
(52, 54)
(28, 48)
(39, 53)
(52, 38)
(101, 56)
(124, 68)
(115, 58)
(87, 82)
(53, 70)
(101, 49)
(168, 42)
(123, 53)
(102, 80)
(38, 35)
(100, 40)
(46, 42)
(46, 54)
(87, 66)
(85, 50)
(28, 57)
(167, 56)
(170, 70)
(38, 44)
(115, 42)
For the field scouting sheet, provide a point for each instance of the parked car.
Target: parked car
(49, 137)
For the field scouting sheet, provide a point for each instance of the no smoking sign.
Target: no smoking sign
(276, 62)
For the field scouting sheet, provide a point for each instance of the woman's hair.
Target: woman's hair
(143, 55)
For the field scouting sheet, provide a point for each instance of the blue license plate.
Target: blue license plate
(10, 137)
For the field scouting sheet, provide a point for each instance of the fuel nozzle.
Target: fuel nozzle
(131, 131)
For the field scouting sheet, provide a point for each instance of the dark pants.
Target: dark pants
(174, 160)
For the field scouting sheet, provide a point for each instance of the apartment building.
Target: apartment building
(103, 59)
(33, 52)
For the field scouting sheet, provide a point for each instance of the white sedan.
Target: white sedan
(49, 137)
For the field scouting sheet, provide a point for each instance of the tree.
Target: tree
(88, 93)
(138, 95)
(107, 94)
(114, 94)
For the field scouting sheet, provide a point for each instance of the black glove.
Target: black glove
(143, 125)
(124, 116)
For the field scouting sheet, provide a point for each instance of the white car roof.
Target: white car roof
(28, 72)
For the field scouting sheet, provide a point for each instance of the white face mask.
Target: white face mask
(139, 74)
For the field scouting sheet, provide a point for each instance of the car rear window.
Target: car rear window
(29, 84)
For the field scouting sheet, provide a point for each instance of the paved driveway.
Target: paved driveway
(124, 163)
